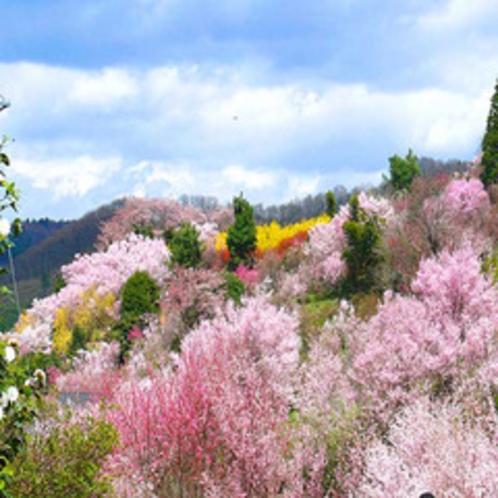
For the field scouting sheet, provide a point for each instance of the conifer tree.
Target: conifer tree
(241, 236)
(403, 171)
(489, 161)
(331, 204)
(362, 254)
(185, 246)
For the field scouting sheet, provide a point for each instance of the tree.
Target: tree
(140, 295)
(489, 161)
(185, 246)
(403, 171)
(331, 204)
(362, 254)
(241, 236)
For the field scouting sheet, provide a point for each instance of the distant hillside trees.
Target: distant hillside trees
(431, 167)
(296, 210)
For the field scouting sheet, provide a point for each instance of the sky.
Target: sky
(276, 99)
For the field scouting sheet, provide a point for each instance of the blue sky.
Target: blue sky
(278, 99)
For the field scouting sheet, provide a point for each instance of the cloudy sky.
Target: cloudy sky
(278, 99)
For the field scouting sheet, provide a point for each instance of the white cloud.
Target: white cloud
(216, 130)
(69, 177)
(458, 15)
(239, 176)
(106, 88)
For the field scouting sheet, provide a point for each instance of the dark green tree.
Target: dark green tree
(363, 254)
(140, 295)
(489, 161)
(185, 246)
(403, 171)
(241, 236)
(331, 204)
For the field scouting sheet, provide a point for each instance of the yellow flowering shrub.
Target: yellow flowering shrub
(270, 236)
(95, 313)
(93, 317)
(63, 334)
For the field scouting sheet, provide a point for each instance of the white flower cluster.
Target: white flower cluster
(9, 396)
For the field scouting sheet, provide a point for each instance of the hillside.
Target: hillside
(43, 247)
(337, 347)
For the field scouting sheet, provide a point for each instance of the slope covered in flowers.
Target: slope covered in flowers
(285, 382)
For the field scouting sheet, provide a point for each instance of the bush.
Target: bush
(235, 288)
(20, 398)
(66, 462)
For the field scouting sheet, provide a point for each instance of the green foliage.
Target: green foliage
(363, 254)
(66, 462)
(489, 161)
(145, 231)
(185, 246)
(78, 341)
(403, 171)
(241, 236)
(140, 295)
(20, 399)
(314, 314)
(235, 288)
(331, 204)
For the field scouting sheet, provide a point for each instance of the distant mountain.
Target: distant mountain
(33, 233)
(40, 251)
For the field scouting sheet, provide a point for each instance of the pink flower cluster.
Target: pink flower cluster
(431, 447)
(104, 271)
(217, 422)
(446, 331)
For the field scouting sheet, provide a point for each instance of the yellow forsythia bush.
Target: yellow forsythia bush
(63, 334)
(270, 236)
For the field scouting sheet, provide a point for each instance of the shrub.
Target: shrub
(19, 404)
(235, 288)
(65, 462)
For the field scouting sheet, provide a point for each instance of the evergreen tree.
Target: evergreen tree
(362, 254)
(331, 204)
(241, 236)
(403, 171)
(140, 295)
(185, 246)
(489, 161)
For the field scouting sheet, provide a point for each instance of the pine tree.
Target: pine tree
(185, 246)
(362, 255)
(331, 204)
(241, 236)
(489, 161)
(403, 171)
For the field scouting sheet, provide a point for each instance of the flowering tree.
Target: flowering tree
(105, 272)
(217, 422)
(431, 447)
(442, 334)
(155, 214)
